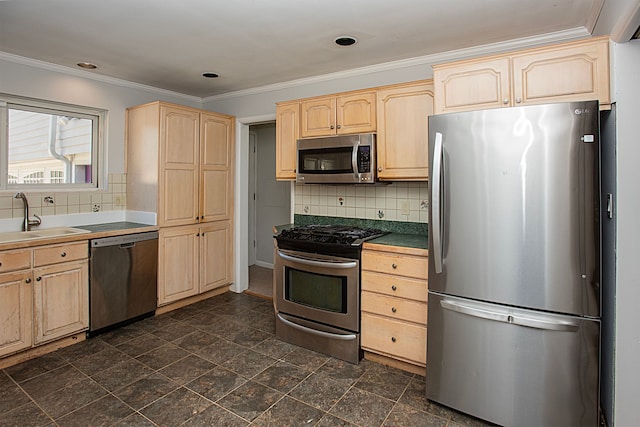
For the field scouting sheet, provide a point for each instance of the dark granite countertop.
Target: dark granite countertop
(404, 240)
(401, 234)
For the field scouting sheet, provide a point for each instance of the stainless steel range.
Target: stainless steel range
(317, 288)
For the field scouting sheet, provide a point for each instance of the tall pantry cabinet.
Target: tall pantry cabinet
(180, 166)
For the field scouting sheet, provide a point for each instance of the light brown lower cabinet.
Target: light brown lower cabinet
(16, 312)
(394, 303)
(193, 259)
(61, 293)
(44, 296)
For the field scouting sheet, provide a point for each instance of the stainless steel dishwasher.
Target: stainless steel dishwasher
(123, 280)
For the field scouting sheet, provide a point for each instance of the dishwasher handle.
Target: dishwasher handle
(127, 239)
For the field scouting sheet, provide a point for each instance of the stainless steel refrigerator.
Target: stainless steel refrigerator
(514, 264)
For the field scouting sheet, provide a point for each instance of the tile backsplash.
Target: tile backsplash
(398, 201)
(54, 203)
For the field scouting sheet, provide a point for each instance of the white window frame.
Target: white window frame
(98, 160)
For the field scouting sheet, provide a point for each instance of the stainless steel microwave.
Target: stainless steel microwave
(344, 159)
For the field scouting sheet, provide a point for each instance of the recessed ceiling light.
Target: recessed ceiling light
(87, 65)
(345, 41)
(209, 75)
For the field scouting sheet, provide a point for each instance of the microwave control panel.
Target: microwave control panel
(364, 159)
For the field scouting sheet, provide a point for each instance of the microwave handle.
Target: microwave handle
(354, 162)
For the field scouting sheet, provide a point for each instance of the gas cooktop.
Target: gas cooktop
(328, 239)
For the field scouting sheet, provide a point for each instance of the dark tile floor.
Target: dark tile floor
(214, 363)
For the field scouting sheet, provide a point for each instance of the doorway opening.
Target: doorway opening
(269, 204)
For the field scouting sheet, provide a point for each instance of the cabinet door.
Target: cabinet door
(16, 316)
(403, 136)
(473, 85)
(61, 300)
(216, 166)
(216, 256)
(177, 263)
(356, 113)
(318, 117)
(570, 73)
(287, 133)
(179, 152)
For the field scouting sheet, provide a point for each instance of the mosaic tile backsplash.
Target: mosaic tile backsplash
(52, 203)
(398, 201)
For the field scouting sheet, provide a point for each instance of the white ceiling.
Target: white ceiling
(253, 43)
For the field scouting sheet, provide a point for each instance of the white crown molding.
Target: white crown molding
(593, 16)
(453, 55)
(98, 77)
(627, 25)
(521, 43)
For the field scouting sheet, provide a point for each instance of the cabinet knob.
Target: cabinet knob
(331, 126)
(63, 254)
(518, 100)
(394, 265)
(38, 279)
(393, 309)
(393, 339)
(394, 287)
(505, 101)
(339, 126)
(197, 218)
(0, 264)
(379, 168)
(28, 280)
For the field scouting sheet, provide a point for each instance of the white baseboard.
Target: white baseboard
(264, 264)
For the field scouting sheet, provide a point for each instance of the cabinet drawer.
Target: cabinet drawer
(53, 254)
(395, 338)
(15, 260)
(397, 308)
(397, 286)
(403, 265)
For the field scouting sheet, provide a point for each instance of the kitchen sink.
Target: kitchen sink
(18, 236)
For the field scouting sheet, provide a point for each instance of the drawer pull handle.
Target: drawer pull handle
(394, 265)
(28, 280)
(38, 278)
(393, 309)
(393, 339)
(63, 254)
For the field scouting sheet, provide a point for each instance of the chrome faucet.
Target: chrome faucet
(27, 223)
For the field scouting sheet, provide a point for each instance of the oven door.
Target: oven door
(321, 288)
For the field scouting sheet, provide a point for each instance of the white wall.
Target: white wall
(627, 343)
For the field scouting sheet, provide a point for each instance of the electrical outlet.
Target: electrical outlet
(424, 204)
(404, 207)
(96, 208)
(342, 201)
(118, 200)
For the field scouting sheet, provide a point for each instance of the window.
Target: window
(50, 145)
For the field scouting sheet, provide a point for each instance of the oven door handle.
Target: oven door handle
(343, 337)
(316, 262)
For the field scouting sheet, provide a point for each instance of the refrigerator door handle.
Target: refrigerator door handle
(531, 321)
(435, 203)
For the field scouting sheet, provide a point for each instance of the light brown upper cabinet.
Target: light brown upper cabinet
(576, 71)
(353, 112)
(180, 163)
(403, 135)
(287, 133)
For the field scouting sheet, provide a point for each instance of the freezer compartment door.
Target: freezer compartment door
(512, 366)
